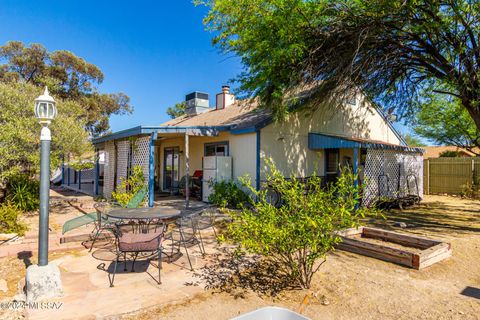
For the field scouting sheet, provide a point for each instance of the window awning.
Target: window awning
(319, 141)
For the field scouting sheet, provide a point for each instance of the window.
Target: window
(331, 157)
(216, 149)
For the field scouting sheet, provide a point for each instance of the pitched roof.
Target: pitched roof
(435, 151)
(242, 114)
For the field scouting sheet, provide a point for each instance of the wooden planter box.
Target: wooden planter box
(410, 251)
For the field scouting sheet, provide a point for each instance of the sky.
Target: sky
(154, 51)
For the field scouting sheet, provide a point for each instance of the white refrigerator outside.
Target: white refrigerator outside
(216, 169)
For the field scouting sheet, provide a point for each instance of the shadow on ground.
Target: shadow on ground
(452, 216)
(235, 274)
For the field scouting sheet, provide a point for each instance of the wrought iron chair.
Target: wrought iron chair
(204, 219)
(184, 234)
(134, 239)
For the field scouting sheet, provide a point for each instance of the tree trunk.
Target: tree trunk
(472, 110)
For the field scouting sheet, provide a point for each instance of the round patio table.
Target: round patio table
(158, 213)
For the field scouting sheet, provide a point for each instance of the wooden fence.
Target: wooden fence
(450, 175)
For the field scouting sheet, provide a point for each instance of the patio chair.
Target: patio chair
(133, 239)
(204, 219)
(99, 218)
(184, 234)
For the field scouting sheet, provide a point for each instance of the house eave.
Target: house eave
(147, 130)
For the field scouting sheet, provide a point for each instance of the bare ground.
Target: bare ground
(351, 286)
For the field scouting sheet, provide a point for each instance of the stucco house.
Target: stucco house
(357, 134)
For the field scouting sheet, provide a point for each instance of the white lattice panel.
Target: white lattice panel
(108, 169)
(386, 173)
(141, 155)
(123, 149)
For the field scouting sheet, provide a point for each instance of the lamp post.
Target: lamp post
(43, 280)
(45, 111)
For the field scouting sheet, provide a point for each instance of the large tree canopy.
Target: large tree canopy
(442, 119)
(68, 77)
(20, 134)
(392, 50)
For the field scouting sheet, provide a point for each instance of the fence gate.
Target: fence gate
(450, 175)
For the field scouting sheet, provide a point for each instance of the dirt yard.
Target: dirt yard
(351, 286)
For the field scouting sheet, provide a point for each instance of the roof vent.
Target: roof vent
(196, 102)
(225, 99)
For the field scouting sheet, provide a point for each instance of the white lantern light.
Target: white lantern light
(45, 109)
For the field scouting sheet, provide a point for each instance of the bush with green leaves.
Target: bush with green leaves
(23, 192)
(9, 214)
(228, 194)
(297, 235)
(129, 186)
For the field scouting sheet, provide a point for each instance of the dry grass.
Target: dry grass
(351, 286)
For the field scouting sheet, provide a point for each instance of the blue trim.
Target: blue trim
(319, 141)
(148, 130)
(79, 179)
(254, 128)
(151, 170)
(207, 144)
(258, 164)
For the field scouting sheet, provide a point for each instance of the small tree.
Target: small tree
(228, 194)
(449, 154)
(296, 236)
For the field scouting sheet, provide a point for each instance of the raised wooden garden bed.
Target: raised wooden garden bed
(410, 251)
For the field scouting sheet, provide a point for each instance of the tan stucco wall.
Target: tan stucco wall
(287, 142)
(242, 149)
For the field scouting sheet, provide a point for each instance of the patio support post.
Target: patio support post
(187, 171)
(151, 170)
(355, 164)
(80, 179)
(355, 170)
(97, 172)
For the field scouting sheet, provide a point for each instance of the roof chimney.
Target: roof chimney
(225, 99)
(196, 102)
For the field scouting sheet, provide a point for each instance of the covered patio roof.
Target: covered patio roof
(147, 130)
(318, 141)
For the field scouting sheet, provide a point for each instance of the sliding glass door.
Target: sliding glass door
(171, 173)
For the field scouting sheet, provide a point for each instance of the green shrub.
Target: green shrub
(297, 235)
(9, 223)
(228, 194)
(129, 187)
(23, 192)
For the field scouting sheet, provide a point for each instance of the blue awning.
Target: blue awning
(319, 141)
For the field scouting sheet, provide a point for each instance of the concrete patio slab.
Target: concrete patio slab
(87, 294)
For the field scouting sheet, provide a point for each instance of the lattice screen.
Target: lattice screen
(123, 149)
(387, 172)
(108, 169)
(141, 155)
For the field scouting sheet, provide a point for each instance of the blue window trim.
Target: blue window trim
(208, 144)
